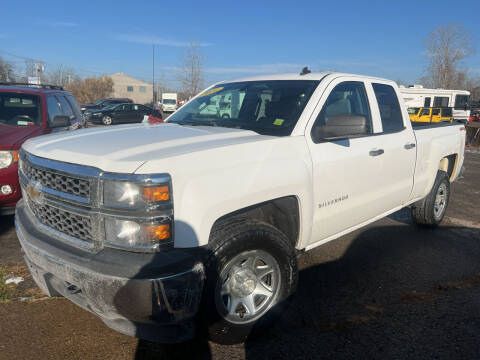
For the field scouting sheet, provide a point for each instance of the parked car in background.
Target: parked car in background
(122, 114)
(430, 115)
(102, 103)
(26, 112)
(474, 115)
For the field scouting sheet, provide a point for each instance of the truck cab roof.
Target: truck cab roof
(297, 76)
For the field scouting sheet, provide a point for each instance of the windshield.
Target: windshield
(110, 107)
(266, 107)
(19, 109)
(169, 101)
(99, 102)
(413, 111)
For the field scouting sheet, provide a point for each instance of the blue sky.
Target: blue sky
(241, 38)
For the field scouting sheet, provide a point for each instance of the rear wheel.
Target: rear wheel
(251, 272)
(430, 211)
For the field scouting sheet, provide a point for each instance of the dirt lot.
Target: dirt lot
(389, 291)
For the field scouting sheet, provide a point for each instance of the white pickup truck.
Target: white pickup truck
(197, 223)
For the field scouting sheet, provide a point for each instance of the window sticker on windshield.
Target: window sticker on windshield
(211, 91)
(278, 122)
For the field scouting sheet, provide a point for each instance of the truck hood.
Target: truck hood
(124, 148)
(13, 136)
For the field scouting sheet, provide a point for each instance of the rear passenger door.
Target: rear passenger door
(398, 142)
(137, 113)
(436, 117)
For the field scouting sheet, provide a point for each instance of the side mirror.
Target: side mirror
(341, 126)
(60, 121)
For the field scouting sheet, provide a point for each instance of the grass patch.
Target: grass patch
(25, 289)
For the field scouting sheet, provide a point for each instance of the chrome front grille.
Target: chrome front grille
(77, 226)
(61, 198)
(57, 181)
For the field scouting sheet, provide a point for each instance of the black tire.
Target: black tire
(229, 239)
(423, 211)
(107, 120)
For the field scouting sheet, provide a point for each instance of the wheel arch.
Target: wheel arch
(449, 164)
(283, 213)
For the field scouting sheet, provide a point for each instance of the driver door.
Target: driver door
(425, 115)
(122, 113)
(346, 171)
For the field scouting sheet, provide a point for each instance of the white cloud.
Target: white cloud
(148, 39)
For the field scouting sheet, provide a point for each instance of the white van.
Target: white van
(169, 102)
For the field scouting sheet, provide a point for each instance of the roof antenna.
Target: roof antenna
(305, 71)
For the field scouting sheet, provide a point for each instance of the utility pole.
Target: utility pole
(153, 76)
(39, 68)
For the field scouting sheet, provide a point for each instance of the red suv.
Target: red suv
(27, 111)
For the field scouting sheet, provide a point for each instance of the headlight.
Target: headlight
(143, 195)
(136, 233)
(7, 158)
(138, 211)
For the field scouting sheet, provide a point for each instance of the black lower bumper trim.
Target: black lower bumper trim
(156, 308)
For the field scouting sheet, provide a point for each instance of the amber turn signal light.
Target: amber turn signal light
(159, 232)
(156, 193)
(15, 156)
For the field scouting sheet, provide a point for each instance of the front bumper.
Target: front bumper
(149, 296)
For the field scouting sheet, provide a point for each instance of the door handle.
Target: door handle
(376, 152)
(409, 146)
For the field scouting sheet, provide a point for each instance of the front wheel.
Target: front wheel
(430, 211)
(251, 272)
(107, 120)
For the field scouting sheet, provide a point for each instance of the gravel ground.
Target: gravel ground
(389, 290)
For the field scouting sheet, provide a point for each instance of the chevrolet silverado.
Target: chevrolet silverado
(196, 224)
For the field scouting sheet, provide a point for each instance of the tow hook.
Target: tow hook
(72, 289)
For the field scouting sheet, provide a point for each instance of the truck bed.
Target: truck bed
(436, 141)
